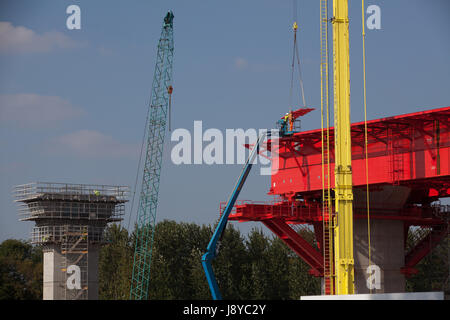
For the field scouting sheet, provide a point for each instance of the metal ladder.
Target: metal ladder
(327, 243)
(395, 159)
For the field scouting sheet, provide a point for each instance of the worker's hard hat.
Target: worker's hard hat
(287, 113)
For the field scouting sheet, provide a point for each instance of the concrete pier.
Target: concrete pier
(387, 256)
(55, 277)
(70, 222)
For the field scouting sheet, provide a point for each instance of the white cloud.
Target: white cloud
(14, 39)
(255, 66)
(91, 144)
(32, 110)
(240, 63)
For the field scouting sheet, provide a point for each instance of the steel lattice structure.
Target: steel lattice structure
(70, 222)
(156, 127)
(410, 171)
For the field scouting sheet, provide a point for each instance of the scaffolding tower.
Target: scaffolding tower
(70, 221)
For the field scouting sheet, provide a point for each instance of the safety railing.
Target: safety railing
(70, 191)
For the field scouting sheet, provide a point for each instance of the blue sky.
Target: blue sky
(73, 102)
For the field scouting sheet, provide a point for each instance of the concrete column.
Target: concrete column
(387, 253)
(93, 258)
(53, 283)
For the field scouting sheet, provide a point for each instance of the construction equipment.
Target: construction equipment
(343, 219)
(327, 208)
(337, 263)
(156, 127)
(408, 156)
(211, 250)
(290, 123)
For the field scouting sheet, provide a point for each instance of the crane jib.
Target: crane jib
(156, 127)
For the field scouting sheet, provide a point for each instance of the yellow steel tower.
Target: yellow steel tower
(343, 220)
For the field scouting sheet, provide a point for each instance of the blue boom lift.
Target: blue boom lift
(212, 249)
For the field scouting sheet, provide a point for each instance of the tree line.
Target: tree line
(254, 266)
(251, 267)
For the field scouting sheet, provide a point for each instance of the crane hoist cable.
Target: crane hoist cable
(169, 91)
(138, 169)
(296, 58)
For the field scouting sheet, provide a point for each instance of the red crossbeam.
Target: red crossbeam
(423, 248)
(299, 245)
(299, 212)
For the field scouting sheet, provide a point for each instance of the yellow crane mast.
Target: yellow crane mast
(343, 219)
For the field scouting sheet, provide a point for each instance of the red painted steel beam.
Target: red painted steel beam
(424, 247)
(301, 212)
(299, 245)
(402, 151)
(291, 212)
(407, 141)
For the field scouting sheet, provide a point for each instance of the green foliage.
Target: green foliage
(433, 271)
(174, 261)
(275, 272)
(20, 271)
(255, 267)
(115, 264)
(251, 267)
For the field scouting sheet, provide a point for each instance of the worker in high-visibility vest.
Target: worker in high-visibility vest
(283, 122)
(96, 192)
(291, 121)
(286, 117)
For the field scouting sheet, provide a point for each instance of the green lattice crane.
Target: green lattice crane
(156, 128)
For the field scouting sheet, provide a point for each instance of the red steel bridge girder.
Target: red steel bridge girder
(412, 149)
(423, 248)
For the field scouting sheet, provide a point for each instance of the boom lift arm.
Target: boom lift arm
(211, 250)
